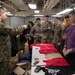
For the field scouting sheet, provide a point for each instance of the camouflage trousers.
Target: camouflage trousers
(4, 68)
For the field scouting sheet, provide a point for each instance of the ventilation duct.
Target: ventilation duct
(50, 4)
(20, 4)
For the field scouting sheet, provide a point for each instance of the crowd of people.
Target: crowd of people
(62, 37)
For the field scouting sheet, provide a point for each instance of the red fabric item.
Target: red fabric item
(46, 50)
(40, 45)
(56, 62)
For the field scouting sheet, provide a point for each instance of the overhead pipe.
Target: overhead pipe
(46, 5)
(7, 5)
(52, 3)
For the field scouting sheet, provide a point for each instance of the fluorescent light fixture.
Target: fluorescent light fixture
(64, 11)
(36, 11)
(9, 14)
(56, 15)
(32, 6)
(38, 15)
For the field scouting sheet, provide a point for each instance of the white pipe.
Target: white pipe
(7, 5)
(52, 3)
(46, 5)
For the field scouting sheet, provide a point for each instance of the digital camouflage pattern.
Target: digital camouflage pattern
(5, 46)
(57, 34)
(47, 29)
(36, 33)
(57, 40)
(4, 68)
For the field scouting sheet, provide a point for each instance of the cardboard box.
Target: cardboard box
(22, 68)
(13, 62)
(19, 71)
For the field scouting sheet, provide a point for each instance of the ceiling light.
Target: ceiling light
(38, 15)
(64, 11)
(36, 11)
(32, 6)
(9, 14)
(56, 15)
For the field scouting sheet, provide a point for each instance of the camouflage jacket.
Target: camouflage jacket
(5, 44)
(36, 31)
(57, 34)
(47, 29)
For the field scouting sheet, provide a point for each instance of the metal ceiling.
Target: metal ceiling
(20, 7)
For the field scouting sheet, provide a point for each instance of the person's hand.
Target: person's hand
(26, 36)
(53, 42)
(49, 27)
(59, 44)
(69, 50)
(64, 36)
(24, 26)
(29, 38)
(34, 36)
(44, 28)
(65, 52)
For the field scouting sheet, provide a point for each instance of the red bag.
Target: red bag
(40, 45)
(56, 62)
(47, 49)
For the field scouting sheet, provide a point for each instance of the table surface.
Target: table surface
(41, 57)
(37, 55)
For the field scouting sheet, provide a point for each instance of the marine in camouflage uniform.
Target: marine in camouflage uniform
(57, 40)
(5, 44)
(47, 29)
(36, 32)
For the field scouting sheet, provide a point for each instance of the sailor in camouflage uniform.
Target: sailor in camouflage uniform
(5, 44)
(47, 29)
(57, 40)
(36, 32)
